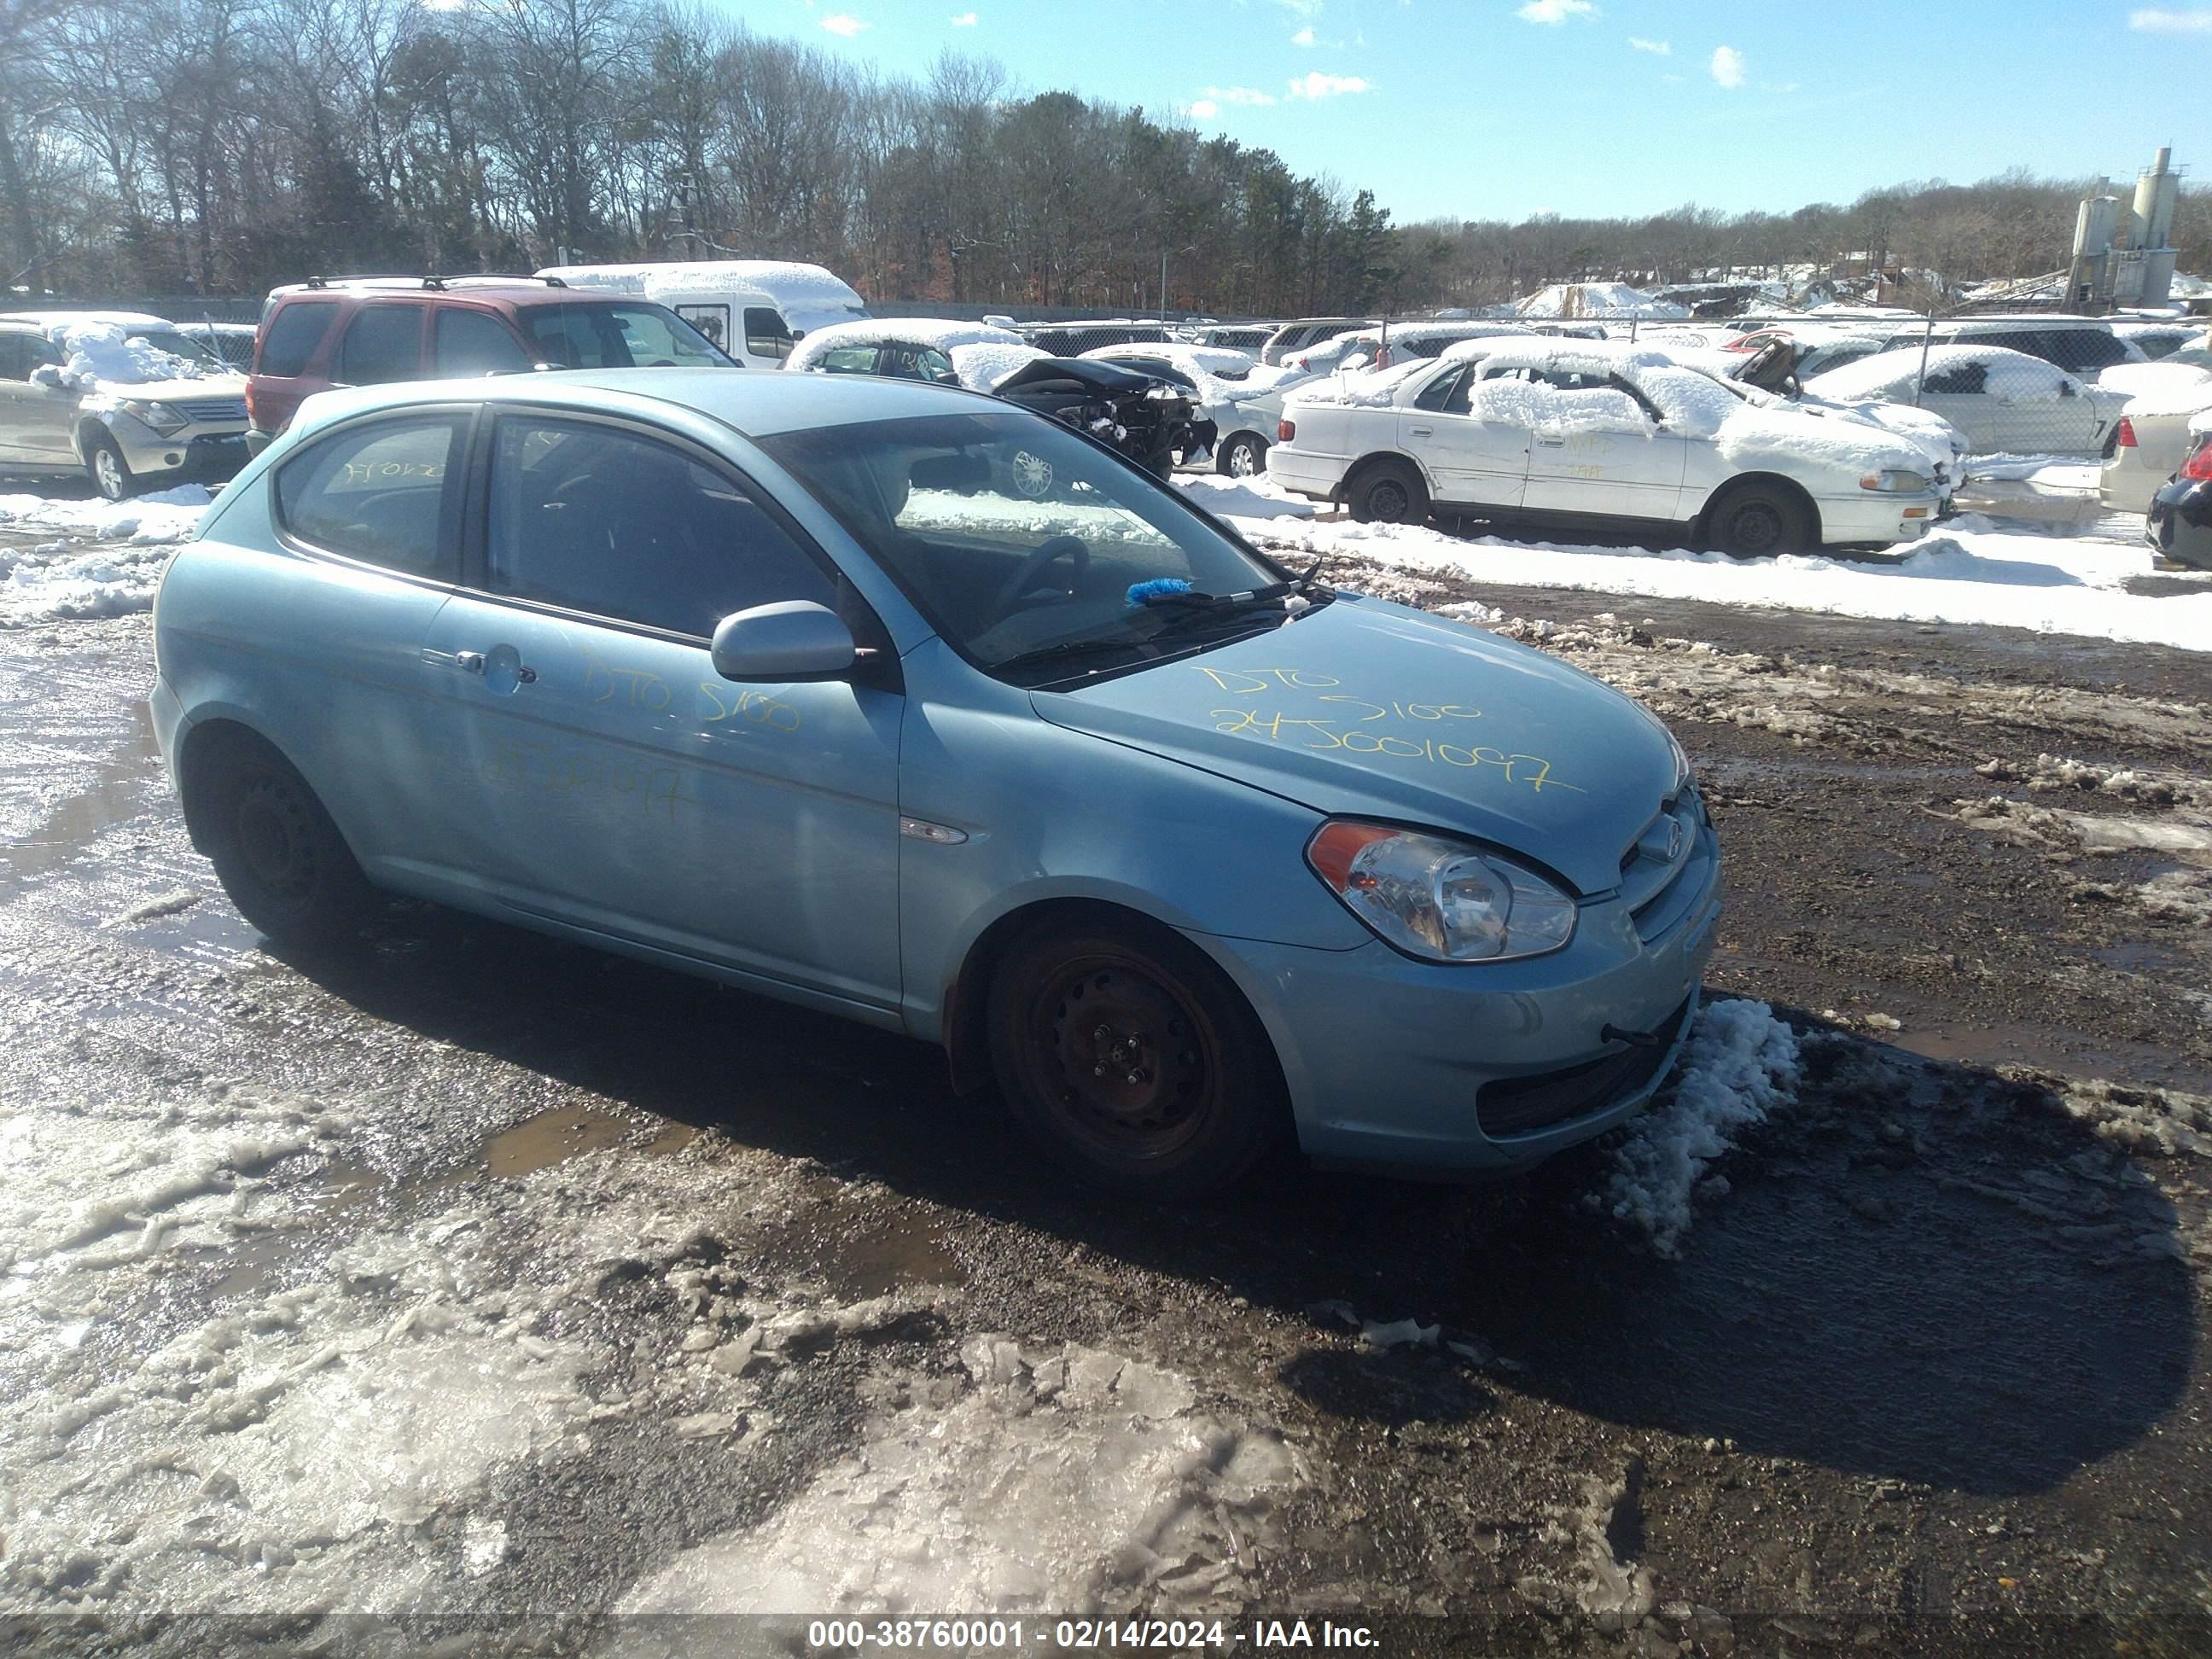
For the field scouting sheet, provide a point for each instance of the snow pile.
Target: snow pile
(940, 333)
(1970, 573)
(116, 353)
(1059, 1479)
(1739, 1063)
(1597, 300)
(1891, 375)
(2178, 388)
(1258, 497)
(982, 364)
(67, 579)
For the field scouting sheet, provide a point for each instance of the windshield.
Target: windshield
(1012, 536)
(639, 336)
(198, 359)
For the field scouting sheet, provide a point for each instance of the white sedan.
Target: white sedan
(1604, 435)
(2006, 402)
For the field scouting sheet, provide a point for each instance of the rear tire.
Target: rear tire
(1387, 492)
(1131, 1060)
(110, 473)
(1759, 520)
(277, 853)
(1243, 457)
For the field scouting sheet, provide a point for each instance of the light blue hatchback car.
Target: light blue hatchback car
(783, 679)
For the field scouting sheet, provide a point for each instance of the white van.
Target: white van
(754, 309)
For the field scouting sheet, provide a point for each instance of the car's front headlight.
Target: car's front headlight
(1438, 898)
(1896, 481)
(160, 416)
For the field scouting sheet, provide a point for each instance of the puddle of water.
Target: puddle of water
(2144, 959)
(2050, 1048)
(568, 1132)
(113, 797)
(905, 1254)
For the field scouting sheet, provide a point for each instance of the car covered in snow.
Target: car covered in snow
(2179, 521)
(1301, 333)
(128, 400)
(2006, 402)
(1604, 435)
(1379, 347)
(2152, 438)
(768, 677)
(950, 353)
(754, 309)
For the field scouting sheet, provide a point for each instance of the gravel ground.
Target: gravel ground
(539, 1297)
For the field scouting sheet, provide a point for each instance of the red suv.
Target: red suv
(361, 330)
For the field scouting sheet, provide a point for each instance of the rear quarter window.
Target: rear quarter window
(382, 492)
(289, 343)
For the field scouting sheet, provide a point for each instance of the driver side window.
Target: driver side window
(608, 521)
(1966, 378)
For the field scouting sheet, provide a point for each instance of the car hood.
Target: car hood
(1371, 709)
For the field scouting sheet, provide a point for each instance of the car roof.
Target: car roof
(517, 291)
(755, 402)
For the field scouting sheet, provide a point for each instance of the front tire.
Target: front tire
(1131, 1060)
(278, 855)
(1243, 457)
(110, 473)
(1388, 492)
(1759, 520)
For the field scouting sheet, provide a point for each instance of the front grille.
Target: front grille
(1653, 866)
(212, 408)
(1516, 1106)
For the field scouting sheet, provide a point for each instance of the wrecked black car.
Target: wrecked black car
(1145, 417)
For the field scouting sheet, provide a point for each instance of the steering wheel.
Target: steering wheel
(1014, 592)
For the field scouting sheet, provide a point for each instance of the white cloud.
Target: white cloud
(1303, 8)
(1238, 95)
(2155, 21)
(1205, 110)
(1657, 48)
(965, 20)
(1304, 37)
(1727, 66)
(1317, 84)
(843, 23)
(1555, 11)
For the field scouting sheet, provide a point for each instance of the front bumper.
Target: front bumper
(1401, 1063)
(1869, 518)
(188, 457)
(2179, 523)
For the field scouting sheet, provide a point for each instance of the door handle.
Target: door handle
(1420, 431)
(476, 662)
(1550, 443)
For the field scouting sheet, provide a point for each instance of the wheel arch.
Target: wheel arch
(202, 747)
(966, 1033)
(1701, 526)
(1376, 458)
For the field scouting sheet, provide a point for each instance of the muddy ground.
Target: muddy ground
(490, 1282)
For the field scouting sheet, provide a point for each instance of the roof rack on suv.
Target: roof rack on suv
(437, 284)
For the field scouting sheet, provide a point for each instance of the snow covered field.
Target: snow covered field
(106, 559)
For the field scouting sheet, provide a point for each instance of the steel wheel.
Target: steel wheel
(1130, 1060)
(279, 857)
(1755, 521)
(1123, 1057)
(1387, 492)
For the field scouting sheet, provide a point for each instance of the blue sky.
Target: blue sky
(1502, 108)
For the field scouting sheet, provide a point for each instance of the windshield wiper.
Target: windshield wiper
(1065, 650)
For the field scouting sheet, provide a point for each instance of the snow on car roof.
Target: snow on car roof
(51, 320)
(982, 364)
(1209, 360)
(941, 332)
(1871, 377)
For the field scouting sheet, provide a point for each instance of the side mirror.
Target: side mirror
(791, 641)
